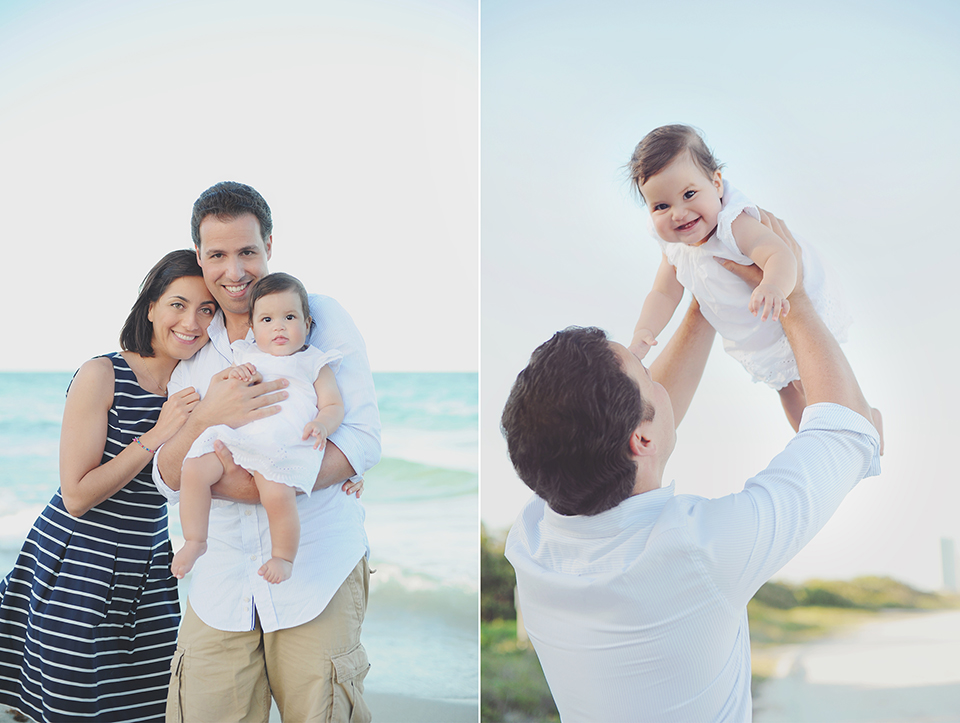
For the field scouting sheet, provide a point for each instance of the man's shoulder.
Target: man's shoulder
(321, 301)
(331, 320)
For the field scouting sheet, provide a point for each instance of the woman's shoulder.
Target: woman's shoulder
(95, 378)
(101, 366)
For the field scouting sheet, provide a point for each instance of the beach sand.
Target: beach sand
(903, 667)
(388, 708)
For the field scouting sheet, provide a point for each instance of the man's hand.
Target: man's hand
(752, 274)
(236, 483)
(353, 488)
(236, 402)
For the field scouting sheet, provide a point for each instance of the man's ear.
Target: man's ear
(640, 443)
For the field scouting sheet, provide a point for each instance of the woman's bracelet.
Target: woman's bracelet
(137, 440)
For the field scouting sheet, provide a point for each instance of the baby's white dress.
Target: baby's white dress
(760, 346)
(274, 446)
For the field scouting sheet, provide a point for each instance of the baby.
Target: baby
(282, 452)
(698, 217)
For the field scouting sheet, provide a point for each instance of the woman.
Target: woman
(89, 614)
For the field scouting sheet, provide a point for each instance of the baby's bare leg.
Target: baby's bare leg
(199, 473)
(794, 401)
(280, 502)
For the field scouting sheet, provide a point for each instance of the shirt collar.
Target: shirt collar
(218, 334)
(642, 509)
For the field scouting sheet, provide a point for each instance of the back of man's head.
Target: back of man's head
(568, 422)
(228, 200)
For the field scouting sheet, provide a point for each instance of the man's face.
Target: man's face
(661, 429)
(233, 256)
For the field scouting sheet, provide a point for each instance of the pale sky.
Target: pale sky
(356, 120)
(842, 118)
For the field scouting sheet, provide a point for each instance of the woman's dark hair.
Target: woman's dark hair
(568, 422)
(137, 332)
(661, 146)
(274, 284)
(227, 201)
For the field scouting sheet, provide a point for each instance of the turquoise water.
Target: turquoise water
(422, 511)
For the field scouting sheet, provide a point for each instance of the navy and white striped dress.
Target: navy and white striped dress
(89, 614)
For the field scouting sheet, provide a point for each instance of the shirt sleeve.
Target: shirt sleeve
(358, 436)
(745, 538)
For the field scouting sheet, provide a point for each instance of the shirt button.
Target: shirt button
(253, 557)
(248, 513)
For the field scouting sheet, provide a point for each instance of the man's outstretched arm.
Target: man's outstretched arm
(680, 365)
(824, 370)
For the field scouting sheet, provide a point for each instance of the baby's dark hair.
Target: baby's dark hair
(274, 284)
(661, 146)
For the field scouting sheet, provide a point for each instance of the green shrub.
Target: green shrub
(822, 596)
(497, 580)
(776, 595)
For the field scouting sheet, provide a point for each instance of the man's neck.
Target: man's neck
(647, 483)
(237, 326)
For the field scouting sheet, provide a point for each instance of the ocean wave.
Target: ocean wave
(401, 590)
(453, 448)
(14, 526)
(397, 480)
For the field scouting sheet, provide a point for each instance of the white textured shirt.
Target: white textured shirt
(639, 613)
(226, 588)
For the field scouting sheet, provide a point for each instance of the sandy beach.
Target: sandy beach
(905, 666)
(387, 708)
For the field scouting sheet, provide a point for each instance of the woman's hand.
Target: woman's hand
(173, 415)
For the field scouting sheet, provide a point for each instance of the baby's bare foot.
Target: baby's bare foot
(187, 557)
(276, 569)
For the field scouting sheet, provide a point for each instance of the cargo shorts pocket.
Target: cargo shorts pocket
(349, 671)
(174, 712)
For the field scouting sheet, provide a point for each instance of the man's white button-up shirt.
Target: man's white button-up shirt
(226, 587)
(639, 613)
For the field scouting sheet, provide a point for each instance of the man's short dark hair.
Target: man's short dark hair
(227, 201)
(568, 422)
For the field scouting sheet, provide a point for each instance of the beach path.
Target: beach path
(905, 666)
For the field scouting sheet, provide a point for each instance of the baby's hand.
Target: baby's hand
(643, 339)
(314, 429)
(243, 372)
(771, 300)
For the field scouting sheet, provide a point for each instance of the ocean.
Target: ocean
(421, 501)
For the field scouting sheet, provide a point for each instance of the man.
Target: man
(242, 639)
(634, 597)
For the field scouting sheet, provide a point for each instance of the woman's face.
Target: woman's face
(180, 318)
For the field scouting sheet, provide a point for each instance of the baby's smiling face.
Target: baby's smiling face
(684, 202)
